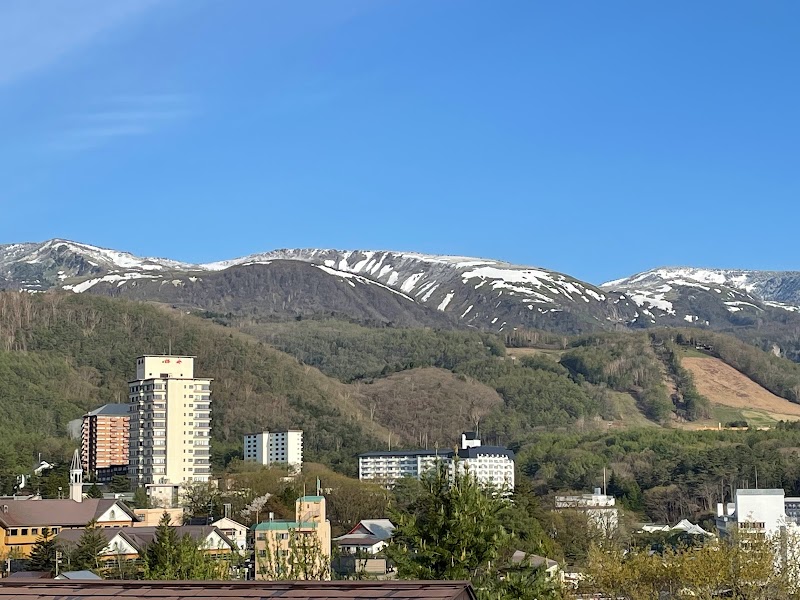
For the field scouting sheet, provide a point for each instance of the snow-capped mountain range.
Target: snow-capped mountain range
(408, 288)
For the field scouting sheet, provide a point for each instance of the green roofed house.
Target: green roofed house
(298, 549)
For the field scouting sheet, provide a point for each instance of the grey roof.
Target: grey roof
(533, 560)
(484, 451)
(139, 537)
(464, 453)
(368, 532)
(78, 575)
(380, 528)
(770, 492)
(59, 513)
(470, 435)
(111, 410)
(441, 453)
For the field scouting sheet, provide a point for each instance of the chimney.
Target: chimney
(720, 509)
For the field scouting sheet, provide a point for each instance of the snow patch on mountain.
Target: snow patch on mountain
(789, 307)
(350, 277)
(652, 300)
(443, 304)
(83, 286)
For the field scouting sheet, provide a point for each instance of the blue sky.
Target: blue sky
(594, 138)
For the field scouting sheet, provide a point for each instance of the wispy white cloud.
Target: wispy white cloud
(37, 34)
(121, 117)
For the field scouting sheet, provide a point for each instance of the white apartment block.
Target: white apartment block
(275, 448)
(600, 508)
(491, 465)
(760, 511)
(170, 425)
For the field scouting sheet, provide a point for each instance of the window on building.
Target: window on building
(14, 532)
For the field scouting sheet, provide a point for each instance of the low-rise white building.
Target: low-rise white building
(491, 465)
(754, 511)
(600, 508)
(272, 448)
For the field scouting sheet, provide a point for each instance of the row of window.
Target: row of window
(32, 530)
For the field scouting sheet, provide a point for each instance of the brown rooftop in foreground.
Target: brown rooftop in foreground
(37, 589)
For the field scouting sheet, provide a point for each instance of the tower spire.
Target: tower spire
(76, 478)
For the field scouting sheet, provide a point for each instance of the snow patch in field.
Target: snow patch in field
(464, 314)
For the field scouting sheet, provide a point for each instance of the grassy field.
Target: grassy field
(688, 351)
(520, 352)
(736, 397)
(628, 413)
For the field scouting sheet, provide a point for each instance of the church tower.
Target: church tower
(76, 478)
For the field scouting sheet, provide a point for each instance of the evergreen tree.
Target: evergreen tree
(120, 484)
(454, 531)
(43, 553)
(89, 548)
(94, 491)
(171, 558)
(140, 499)
(161, 555)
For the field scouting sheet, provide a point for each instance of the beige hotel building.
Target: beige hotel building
(170, 425)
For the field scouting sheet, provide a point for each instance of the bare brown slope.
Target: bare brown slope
(722, 384)
(428, 404)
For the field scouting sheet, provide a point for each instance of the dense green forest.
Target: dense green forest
(352, 352)
(666, 474)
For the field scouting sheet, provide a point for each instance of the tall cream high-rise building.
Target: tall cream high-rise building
(169, 427)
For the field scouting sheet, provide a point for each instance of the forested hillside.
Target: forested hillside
(667, 474)
(61, 355)
(350, 388)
